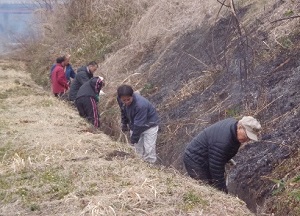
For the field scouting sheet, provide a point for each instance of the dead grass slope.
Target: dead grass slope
(188, 58)
(191, 64)
(286, 194)
(51, 165)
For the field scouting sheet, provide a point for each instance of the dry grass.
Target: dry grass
(161, 24)
(51, 165)
(165, 21)
(120, 35)
(268, 16)
(286, 194)
(193, 86)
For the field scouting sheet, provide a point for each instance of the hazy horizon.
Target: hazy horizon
(16, 17)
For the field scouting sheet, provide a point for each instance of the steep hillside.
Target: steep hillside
(198, 62)
(228, 67)
(52, 163)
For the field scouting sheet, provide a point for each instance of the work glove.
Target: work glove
(124, 128)
(232, 162)
(97, 97)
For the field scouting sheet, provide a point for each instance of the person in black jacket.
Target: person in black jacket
(87, 99)
(83, 75)
(141, 117)
(206, 155)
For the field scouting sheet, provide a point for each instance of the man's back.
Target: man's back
(81, 77)
(213, 141)
(69, 72)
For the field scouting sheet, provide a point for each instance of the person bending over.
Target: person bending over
(206, 155)
(88, 98)
(140, 117)
(83, 75)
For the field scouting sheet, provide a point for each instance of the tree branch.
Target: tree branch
(223, 3)
(286, 18)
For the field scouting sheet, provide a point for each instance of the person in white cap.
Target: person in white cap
(206, 155)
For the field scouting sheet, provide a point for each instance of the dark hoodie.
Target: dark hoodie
(83, 75)
(90, 89)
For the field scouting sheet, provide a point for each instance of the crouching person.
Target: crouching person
(141, 117)
(87, 99)
(206, 155)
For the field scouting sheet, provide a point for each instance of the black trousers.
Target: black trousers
(201, 172)
(87, 108)
(197, 171)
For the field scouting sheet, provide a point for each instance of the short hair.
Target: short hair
(93, 63)
(60, 60)
(67, 56)
(125, 90)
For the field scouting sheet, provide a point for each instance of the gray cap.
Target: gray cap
(251, 125)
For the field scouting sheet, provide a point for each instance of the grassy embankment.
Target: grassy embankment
(122, 34)
(50, 164)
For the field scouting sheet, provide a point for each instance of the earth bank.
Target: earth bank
(200, 62)
(225, 70)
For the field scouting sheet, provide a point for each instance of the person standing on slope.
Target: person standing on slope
(83, 75)
(206, 155)
(141, 117)
(69, 72)
(59, 82)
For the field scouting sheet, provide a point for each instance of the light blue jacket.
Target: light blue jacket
(69, 72)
